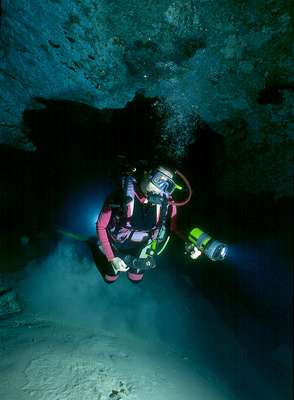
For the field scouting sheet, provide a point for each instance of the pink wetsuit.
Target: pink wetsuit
(105, 219)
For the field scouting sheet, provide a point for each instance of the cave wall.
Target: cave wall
(228, 63)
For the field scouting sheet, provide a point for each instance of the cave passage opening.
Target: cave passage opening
(77, 149)
(78, 145)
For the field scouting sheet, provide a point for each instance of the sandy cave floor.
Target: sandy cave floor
(43, 359)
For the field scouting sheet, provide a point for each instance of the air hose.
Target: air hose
(187, 183)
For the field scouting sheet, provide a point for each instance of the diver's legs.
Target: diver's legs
(135, 275)
(110, 278)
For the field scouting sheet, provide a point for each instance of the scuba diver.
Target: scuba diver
(135, 223)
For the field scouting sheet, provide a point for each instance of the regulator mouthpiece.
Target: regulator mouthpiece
(213, 249)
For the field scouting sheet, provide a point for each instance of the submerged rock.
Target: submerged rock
(9, 303)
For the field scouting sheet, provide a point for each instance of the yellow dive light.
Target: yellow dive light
(213, 249)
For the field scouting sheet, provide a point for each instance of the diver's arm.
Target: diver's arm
(101, 225)
(194, 252)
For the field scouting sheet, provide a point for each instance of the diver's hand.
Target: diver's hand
(119, 265)
(192, 251)
(195, 253)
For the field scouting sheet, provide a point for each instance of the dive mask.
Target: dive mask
(163, 182)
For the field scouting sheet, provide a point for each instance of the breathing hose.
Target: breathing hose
(187, 183)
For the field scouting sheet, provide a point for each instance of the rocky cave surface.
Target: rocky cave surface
(228, 63)
(223, 65)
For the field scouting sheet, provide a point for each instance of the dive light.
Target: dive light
(213, 249)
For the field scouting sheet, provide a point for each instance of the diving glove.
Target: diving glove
(192, 251)
(195, 253)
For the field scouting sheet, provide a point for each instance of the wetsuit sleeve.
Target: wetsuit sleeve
(173, 223)
(101, 225)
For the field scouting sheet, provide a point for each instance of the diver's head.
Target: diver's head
(158, 183)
